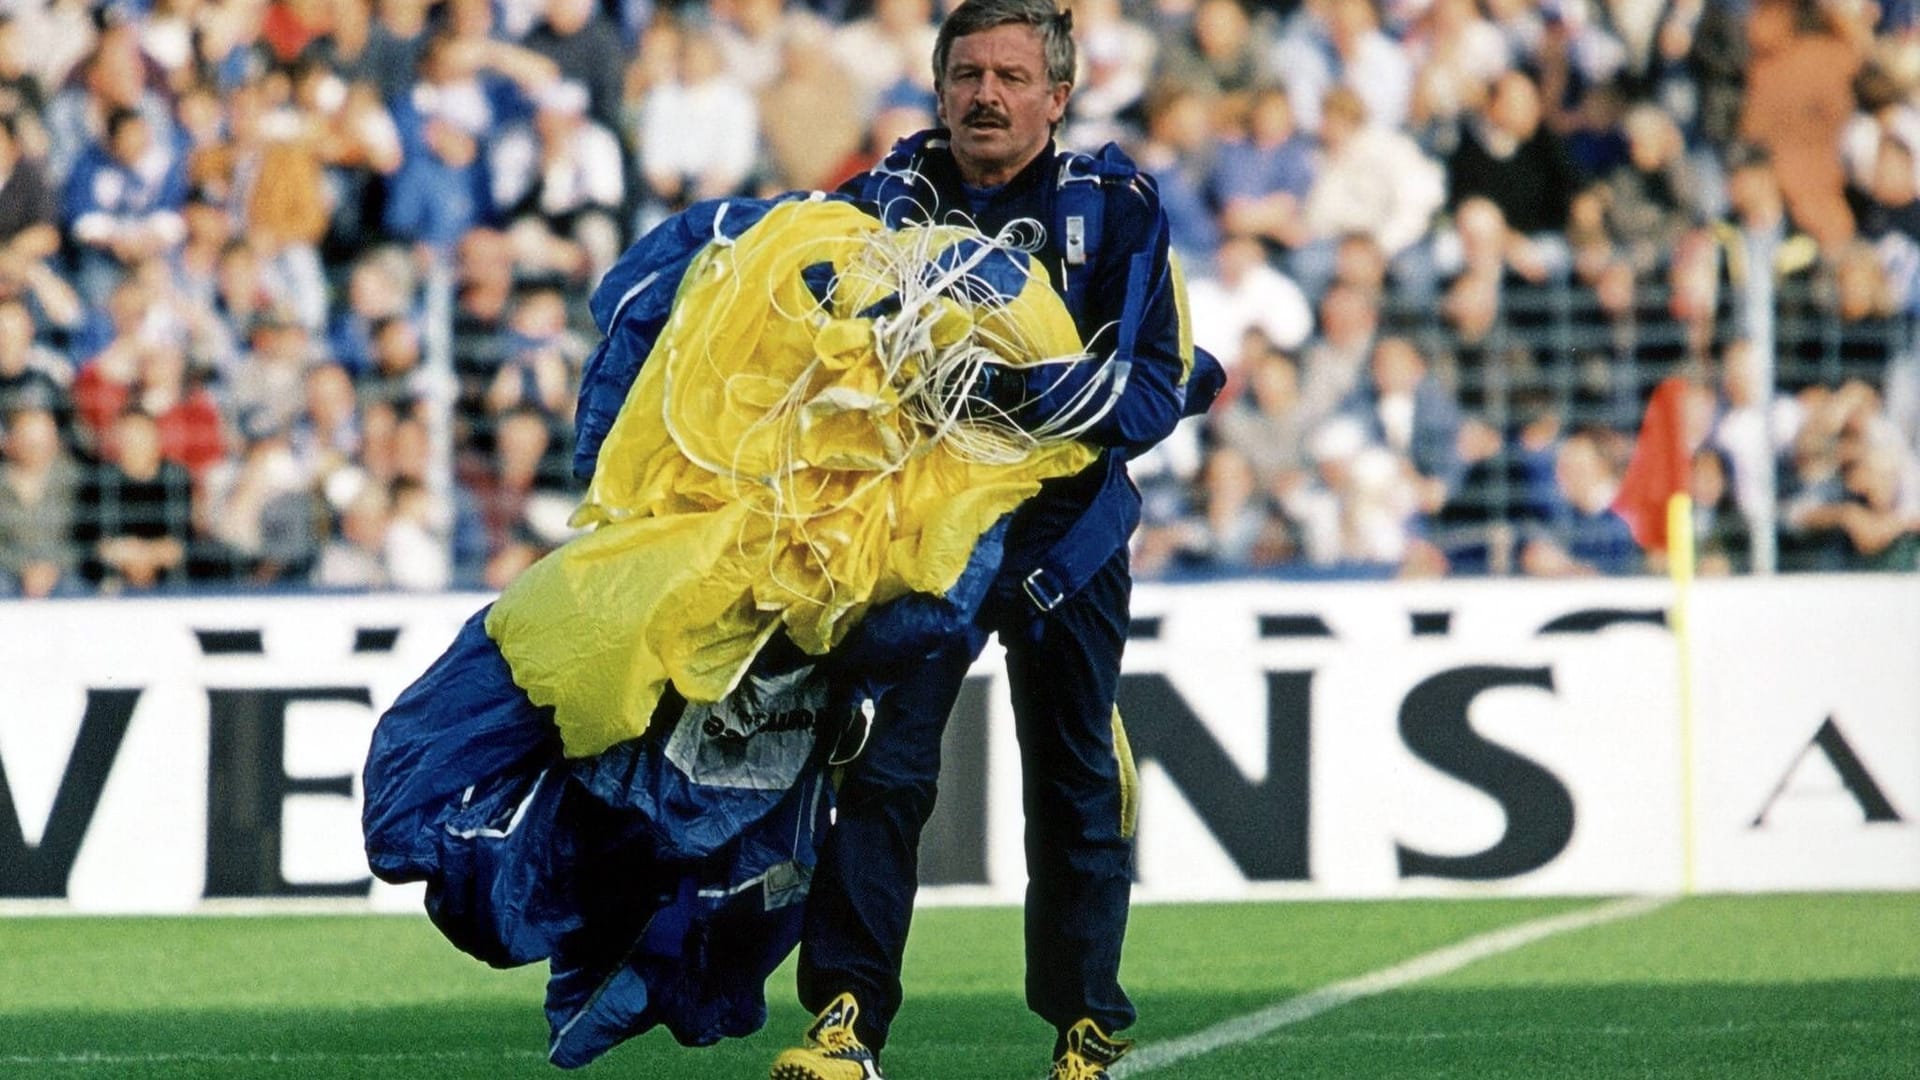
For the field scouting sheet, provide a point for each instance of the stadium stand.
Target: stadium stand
(292, 293)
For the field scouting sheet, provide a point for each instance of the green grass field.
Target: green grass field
(1784, 986)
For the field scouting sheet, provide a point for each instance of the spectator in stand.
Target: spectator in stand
(396, 378)
(122, 204)
(1653, 199)
(417, 553)
(889, 126)
(113, 78)
(655, 64)
(384, 535)
(542, 370)
(1357, 510)
(1246, 293)
(1339, 44)
(39, 488)
(1852, 495)
(1754, 428)
(200, 118)
(395, 44)
(344, 42)
(268, 386)
(1760, 235)
(1722, 543)
(1881, 519)
(886, 53)
(358, 146)
(1117, 57)
(52, 42)
(559, 183)
(523, 509)
(1349, 319)
(1799, 99)
(749, 35)
(1868, 336)
(1220, 52)
(444, 120)
(1265, 429)
(355, 554)
(196, 268)
(107, 380)
(258, 510)
(1456, 55)
(809, 130)
(327, 435)
(698, 133)
(1508, 157)
(1261, 177)
(1507, 484)
(230, 47)
(380, 285)
(1175, 153)
(267, 173)
(57, 310)
(1240, 527)
(1883, 111)
(242, 297)
(482, 301)
(1404, 408)
(1577, 57)
(1889, 219)
(31, 377)
(1491, 352)
(140, 511)
(585, 47)
(1581, 535)
(1372, 180)
(29, 212)
(192, 432)
(23, 96)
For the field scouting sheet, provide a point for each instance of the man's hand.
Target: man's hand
(997, 392)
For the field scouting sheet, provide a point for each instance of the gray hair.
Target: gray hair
(1054, 26)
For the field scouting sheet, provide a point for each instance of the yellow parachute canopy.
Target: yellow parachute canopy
(779, 464)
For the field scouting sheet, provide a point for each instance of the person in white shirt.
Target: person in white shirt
(562, 178)
(699, 133)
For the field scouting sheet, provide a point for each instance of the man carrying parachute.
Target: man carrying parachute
(800, 480)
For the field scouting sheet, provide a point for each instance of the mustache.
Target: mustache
(982, 114)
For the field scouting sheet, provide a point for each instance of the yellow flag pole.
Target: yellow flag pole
(1680, 558)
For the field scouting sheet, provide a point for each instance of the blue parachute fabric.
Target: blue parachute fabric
(464, 783)
(656, 901)
(462, 725)
(695, 960)
(631, 305)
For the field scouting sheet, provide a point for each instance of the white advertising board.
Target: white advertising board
(1309, 740)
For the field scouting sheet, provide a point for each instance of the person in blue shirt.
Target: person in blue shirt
(1003, 72)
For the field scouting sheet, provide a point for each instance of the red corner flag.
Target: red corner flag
(1660, 468)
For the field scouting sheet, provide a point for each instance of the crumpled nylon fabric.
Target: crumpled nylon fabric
(760, 476)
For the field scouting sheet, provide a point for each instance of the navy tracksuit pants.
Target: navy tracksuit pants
(1063, 668)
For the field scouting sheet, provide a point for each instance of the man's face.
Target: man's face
(131, 141)
(996, 100)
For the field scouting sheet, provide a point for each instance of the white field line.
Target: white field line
(1731, 1029)
(1443, 961)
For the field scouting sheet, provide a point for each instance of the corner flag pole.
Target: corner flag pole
(1680, 559)
(1653, 500)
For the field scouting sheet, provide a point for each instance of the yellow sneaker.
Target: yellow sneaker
(831, 1050)
(1088, 1053)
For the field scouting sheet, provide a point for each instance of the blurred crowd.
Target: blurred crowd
(293, 292)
